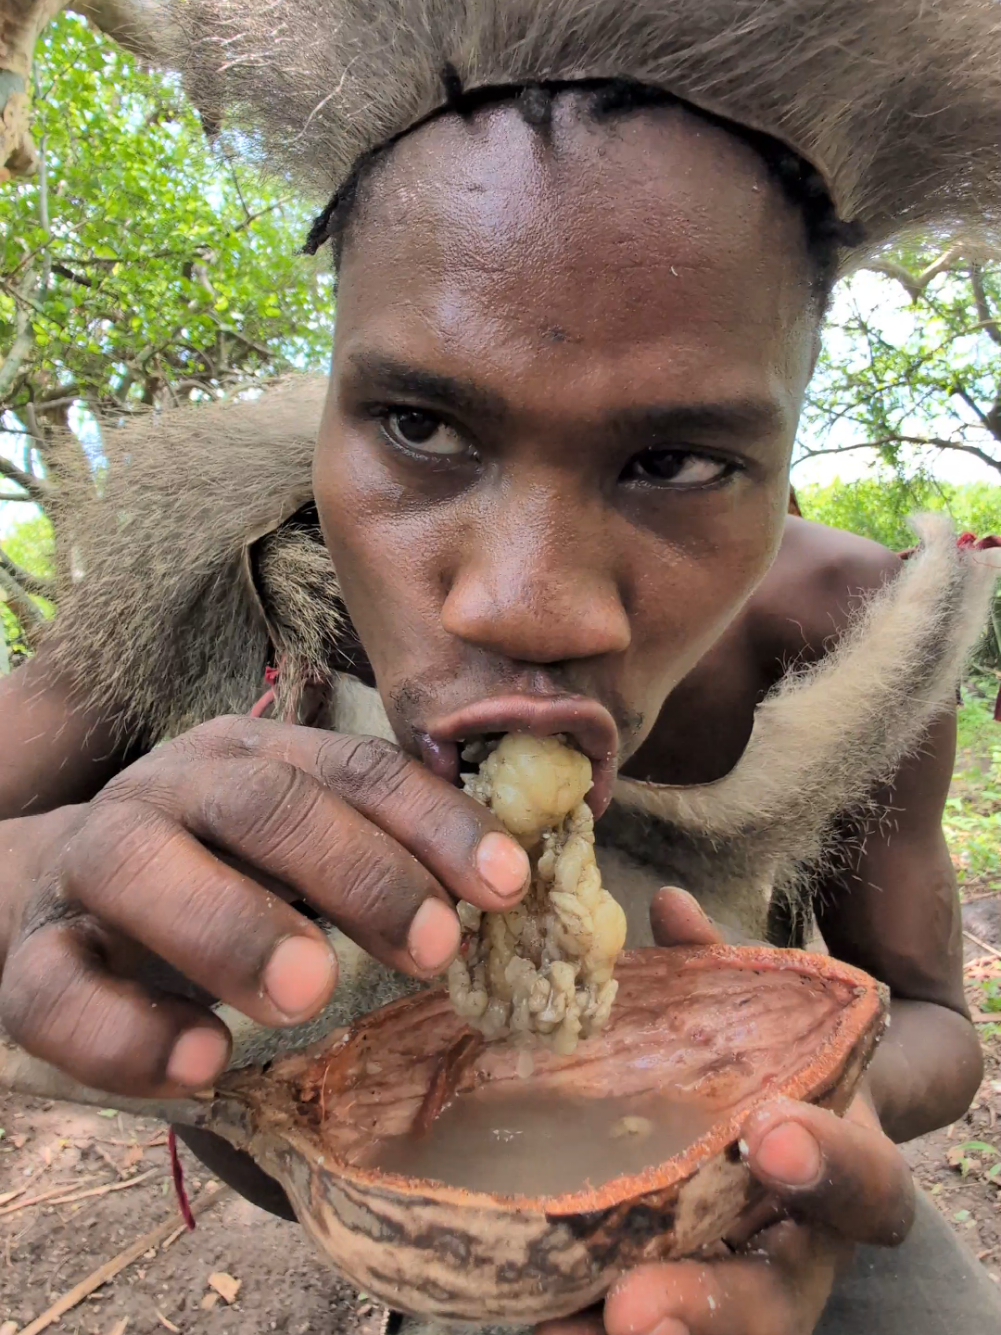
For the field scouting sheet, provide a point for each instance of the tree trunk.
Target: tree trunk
(21, 21)
(140, 26)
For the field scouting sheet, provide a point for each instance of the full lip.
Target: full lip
(589, 723)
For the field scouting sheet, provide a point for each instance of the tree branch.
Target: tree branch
(37, 490)
(24, 338)
(891, 269)
(36, 585)
(63, 272)
(21, 605)
(988, 322)
(944, 261)
(930, 442)
(915, 284)
(989, 420)
(251, 218)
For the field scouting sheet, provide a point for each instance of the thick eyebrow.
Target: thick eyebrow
(390, 377)
(743, 418)
(746, 418)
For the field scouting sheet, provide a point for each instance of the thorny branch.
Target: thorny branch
(36, 585)
(21, 605)
(35, 488)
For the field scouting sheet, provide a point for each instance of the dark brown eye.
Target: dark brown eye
(676, 468)
(419, 430)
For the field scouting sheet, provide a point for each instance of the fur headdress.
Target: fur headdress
(897, 103)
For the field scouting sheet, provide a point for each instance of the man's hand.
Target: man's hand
(840, 1181)
(191, 854)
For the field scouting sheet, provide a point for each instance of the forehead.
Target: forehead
(651, 243)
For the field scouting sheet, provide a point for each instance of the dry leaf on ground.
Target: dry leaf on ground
(165, 1321)
(225, 1285)
(119, 1327)
(209, 1301)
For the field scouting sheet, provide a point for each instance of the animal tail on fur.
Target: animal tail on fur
(826, 736)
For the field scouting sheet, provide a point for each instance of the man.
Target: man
(576, 320)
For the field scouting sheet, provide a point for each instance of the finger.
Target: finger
(282, 822)
(59, 1001)
(846, 1175)
(459, 840)
(779, 1290)
(678, 919)
(146, 876)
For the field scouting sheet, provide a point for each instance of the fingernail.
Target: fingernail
(197, 1057)
(789, 1154)
(433, 939)
(503, 864)
(670, 1326)
(300, 975)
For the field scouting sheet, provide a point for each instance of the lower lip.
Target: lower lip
(441, 758)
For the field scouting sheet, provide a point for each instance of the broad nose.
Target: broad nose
(536, 581)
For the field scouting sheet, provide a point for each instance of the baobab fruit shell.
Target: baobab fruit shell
(722, 1027)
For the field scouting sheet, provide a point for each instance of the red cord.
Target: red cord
(266, 700)
(177, 1173)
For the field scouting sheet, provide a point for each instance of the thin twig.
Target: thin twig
(45, 1196)
(111, 1268)
(982, 944)
(54, 1199)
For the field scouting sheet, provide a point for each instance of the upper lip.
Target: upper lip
(588, 723)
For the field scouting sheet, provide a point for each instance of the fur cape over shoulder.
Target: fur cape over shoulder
(202, 563)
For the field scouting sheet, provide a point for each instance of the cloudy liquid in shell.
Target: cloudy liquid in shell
(543, 1144)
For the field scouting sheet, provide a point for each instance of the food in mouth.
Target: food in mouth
(541, 972)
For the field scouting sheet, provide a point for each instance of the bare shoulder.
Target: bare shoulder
(818, 579)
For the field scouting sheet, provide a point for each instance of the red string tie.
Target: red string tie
(177, 1173)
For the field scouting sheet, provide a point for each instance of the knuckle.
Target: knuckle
(382, 893)
(229, 734)
(248, 792)
(370, 768)
(112, 846)
(270, 805)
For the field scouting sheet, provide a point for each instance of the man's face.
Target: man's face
(554, 457)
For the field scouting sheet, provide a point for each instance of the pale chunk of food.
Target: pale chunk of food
(531, 784)
(543, 971)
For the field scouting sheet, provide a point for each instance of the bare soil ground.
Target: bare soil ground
(48, 1247)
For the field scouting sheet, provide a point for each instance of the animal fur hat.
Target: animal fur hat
(897, 103)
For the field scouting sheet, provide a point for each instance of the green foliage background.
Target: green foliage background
(879, 507)
(144, 257)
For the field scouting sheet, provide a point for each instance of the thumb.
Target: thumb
(678, 920)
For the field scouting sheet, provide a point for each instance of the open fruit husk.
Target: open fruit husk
(720, 1028)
